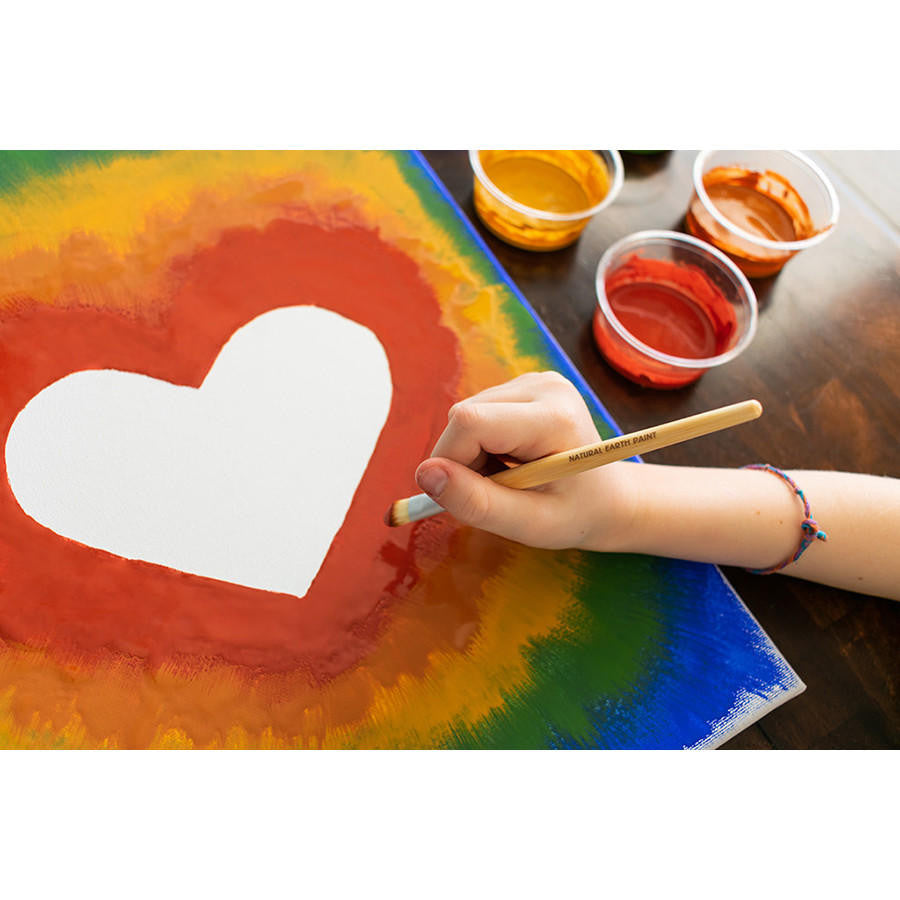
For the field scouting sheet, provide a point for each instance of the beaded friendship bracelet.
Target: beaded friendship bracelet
(809, 527)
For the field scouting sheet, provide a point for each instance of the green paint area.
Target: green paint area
(17, 167)
(441, 211)
(599, 653)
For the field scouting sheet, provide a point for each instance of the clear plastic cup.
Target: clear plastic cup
(795, 206)
(669, 308)
(599, 176)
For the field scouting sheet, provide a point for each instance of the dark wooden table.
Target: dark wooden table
(825, 364)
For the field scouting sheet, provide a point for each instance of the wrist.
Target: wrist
(613, 512)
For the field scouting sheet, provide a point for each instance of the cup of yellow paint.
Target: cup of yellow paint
(543, 199)
(760, 207)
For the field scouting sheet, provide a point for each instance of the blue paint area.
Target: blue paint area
(711, 652)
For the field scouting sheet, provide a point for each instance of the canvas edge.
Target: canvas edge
(717, 739)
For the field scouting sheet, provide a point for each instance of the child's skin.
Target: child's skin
(737, 517)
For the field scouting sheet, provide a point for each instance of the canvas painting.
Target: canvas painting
(217, 371)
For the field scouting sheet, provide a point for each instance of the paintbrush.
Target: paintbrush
(590, 456)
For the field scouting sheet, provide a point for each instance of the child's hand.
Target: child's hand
(527, 418)
(735, 517)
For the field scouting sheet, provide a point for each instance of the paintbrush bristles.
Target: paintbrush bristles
(411, 509)
(398, 514)
(590, 456)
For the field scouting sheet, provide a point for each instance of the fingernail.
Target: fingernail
(432, 480)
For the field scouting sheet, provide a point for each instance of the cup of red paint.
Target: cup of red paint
(761, 207)
(670, 307)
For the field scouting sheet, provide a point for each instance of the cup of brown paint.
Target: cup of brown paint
(543, 199)
(760, 206)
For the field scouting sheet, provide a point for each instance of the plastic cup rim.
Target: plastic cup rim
(755, 239)
(642, 237)
(616, 181)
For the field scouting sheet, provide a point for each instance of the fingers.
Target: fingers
(522, 430)
(477, 501)
(526, 418)
(522, 389)
(519, 390)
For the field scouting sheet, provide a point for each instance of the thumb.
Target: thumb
(471, 498)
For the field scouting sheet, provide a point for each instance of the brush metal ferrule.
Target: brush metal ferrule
(421, 507)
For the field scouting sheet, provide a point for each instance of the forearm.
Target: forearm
(752, 518)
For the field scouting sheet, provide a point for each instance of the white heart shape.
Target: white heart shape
(246, 479)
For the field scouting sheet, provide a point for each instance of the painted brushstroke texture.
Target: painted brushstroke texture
(432, 636)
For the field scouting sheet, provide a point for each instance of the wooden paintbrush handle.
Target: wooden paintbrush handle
(581, 459)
